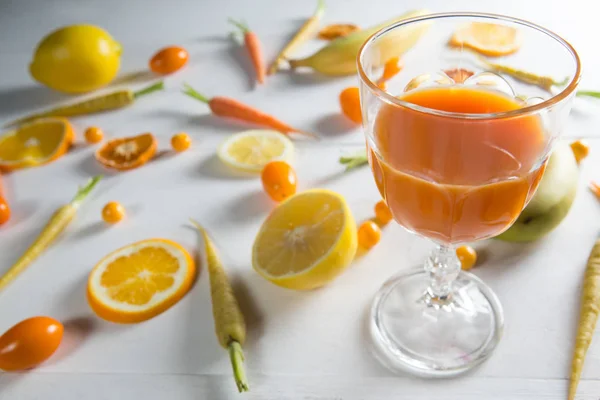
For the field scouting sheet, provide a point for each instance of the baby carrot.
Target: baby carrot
(106, 102)
(231, 108)
(588, 316)
(59, 221)
(230, 326)
(4, 208)
(252, 43)
(306, 31)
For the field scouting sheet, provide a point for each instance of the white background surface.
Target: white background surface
(301, 345)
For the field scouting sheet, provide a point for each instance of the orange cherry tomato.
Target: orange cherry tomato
(113, 212)
(383, 213)
(369, 234)
(279, 180)
(350, 104)
(93, 134)
(169, 60)
(4, 211)
(467, 256)
(181, 142)
(29, 343)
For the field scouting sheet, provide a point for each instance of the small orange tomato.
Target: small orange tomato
(113, 212)
(279, 180)
(29, 343)
(369, 234)
(4, 211)
(350, 104)
(382, 212)
(93, 134)
(181, 142)
(168, 60)
(467, 256)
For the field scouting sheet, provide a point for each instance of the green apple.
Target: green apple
(552, 201)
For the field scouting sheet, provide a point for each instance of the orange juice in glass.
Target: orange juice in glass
(455, 163)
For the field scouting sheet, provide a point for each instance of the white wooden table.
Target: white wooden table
(301, 345)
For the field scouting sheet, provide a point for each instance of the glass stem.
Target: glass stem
(443, 267)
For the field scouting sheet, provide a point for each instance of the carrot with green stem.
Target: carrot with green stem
(231, 108)
(588, 316)
(105, 102)
(306, 31)
(230, 326)
(59, 221)
(254, 48)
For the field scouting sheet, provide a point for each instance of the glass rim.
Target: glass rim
(556, 98)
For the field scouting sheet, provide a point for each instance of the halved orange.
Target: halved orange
(488, 39)
(140, 281)
(127, 153)
(37, 143)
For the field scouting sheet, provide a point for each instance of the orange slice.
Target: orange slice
(140, 281)
(488, 39)
(127, 153)
(36, 143)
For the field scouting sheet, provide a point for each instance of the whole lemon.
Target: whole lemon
(76, 59)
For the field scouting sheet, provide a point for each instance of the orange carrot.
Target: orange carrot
(595, 188)
(252, 43)
(231, 108)
(391, 69)
(4, 208)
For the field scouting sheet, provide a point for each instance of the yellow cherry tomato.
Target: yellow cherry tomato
(113, 212)
(467, 256)
(369, 234)
(181, 142)
(93, 134)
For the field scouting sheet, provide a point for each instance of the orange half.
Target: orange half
(127, 153)
(141, 280)
(488, 39)
(36, 143)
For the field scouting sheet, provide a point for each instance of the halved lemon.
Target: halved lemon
(251, 150)
(37, 143)
(140, 281)
(306, 241)
(488, 39)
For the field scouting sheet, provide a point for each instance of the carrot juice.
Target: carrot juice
(456, 179)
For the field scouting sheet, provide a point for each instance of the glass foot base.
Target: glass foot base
(417, 333)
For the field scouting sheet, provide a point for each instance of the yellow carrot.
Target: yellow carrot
(544, 82)
(338, 58)
(306, 31)
(59, 221)
(106, 102)
(588, 316)
(230, 326)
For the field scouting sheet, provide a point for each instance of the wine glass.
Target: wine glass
(456, 161)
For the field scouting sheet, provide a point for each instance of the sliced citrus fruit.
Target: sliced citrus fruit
(36, 143)
(251, 150)
(488, 39)
(127, 153)
(306, 241)
(140, 281)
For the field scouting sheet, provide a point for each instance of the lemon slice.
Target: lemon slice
(251, 150)
(306, 241)
(139, 281)
(488, 39)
